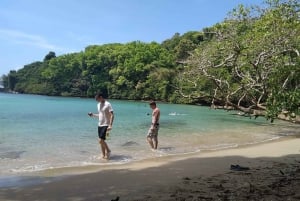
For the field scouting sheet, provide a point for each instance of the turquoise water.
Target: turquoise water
(41, 132)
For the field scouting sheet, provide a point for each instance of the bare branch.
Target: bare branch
(224, 62)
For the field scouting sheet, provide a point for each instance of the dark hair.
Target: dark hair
(152, 103)
(100, 94)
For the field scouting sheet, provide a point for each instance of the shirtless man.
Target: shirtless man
(153, 130)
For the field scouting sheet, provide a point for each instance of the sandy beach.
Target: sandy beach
(273, 174)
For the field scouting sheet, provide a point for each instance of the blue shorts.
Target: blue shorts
(102, 132)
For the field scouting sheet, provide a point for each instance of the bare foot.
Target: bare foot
(107, 155)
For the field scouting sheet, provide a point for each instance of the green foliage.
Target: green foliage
(49, 56)
(126, 71)
(250, 61)
(11, 80)
(29, 79)
(4, 80)
(133, 75)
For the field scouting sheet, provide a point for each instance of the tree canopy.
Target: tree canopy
(251, 63)
(248, 62)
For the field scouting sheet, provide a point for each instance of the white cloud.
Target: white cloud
(20, 37)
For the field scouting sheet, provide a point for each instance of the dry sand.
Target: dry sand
(274, 174)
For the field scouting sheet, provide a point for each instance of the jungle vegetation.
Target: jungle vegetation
(249, 62)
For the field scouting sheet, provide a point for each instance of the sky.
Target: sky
(30, 29)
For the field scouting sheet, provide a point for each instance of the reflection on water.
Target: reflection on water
(11, 154)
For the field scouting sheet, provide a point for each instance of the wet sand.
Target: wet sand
(274, 174)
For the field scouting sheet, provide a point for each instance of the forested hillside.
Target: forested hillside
(249, 62)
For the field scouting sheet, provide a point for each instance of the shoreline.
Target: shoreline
(138, 164)
(134, 181)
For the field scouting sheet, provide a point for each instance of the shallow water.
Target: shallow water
(41, 132)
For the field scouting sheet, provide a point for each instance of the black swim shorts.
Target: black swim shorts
(102, 132)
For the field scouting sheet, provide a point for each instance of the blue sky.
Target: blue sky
(29, 29)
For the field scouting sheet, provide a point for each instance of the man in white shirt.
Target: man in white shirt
(106, 117)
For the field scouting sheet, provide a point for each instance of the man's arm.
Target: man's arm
(155, 118)
(112, 116)
(93, 115)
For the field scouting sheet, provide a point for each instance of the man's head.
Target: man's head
(100, 97)
(152, 104)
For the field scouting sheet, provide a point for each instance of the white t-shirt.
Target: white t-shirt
(104, 110)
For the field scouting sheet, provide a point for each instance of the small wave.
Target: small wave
(31, 168)
(113, 158)
(166, 149)
(92, 161)
(175, 114)
(263, 141)
(171, 151)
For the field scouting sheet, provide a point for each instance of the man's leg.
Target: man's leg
(107, 150)
(155, 140)
(150, 142)
(102, 146)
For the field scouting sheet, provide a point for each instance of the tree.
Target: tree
(4, 80)
(251, 63)
(49, 56)
(12, 80)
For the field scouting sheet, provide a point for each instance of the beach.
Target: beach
(273, 174)
(62, 135)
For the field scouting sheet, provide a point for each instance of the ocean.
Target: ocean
(39, 133)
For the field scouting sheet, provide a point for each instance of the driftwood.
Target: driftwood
(249, 112)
